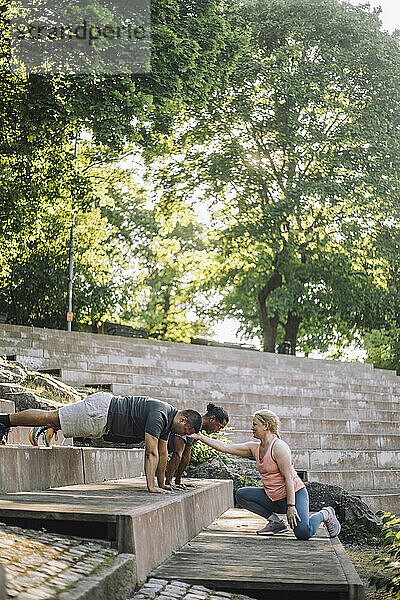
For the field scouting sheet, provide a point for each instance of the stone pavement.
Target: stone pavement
(161, 589)
(41, 565)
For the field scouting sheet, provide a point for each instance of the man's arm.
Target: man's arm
(246, 449)
(183, 464)
(174, 463)
(162, 463)
(151, 463)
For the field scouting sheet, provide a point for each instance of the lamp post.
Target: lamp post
(70, 275)
(70, 314)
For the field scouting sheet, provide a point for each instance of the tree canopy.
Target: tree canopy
(298, 155)
(282, 117)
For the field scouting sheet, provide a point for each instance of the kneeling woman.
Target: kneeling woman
(283, 491)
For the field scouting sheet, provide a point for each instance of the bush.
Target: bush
(352, 533)
(201, 452)
(390, 580)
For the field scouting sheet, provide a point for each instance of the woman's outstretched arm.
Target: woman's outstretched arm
(246, 449)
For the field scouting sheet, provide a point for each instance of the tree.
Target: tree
(299, 155)
(44, 117)
(170, 256)
(382, 341)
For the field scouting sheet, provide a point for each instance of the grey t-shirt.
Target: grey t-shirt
(130, 417)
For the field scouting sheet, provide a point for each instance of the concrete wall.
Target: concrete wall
(27, 468)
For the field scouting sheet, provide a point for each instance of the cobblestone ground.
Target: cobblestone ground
(160, 589)
(40, 565)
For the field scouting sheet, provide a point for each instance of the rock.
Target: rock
(24, 388)
(11, 371)
(242, 471)
(54, 386)
(28, 399)
(349, 509)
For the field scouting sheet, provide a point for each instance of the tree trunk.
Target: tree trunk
(270, 330)
(291, 331)
(269, 325)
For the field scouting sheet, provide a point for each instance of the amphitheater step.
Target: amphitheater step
(151, 526)
(183, 396)
(28, 338)
(160, 373)
(242, 421)
(25, 468)
(324, 424)
(256, 385)
(345, 459)
(381, 500)
(299, 440)
(247, 404)
(354, 479)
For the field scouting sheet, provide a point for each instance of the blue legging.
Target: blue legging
(256, 500)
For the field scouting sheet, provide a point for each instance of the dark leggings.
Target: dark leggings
(256, 500)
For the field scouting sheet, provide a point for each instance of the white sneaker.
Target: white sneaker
(331, 522)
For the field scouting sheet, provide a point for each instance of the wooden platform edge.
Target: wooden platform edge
(356, 588)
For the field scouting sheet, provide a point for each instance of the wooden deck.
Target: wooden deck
(228, 555)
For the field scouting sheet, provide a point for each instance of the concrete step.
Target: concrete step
(337, 460)
(325, 425)
(354, 479)
(155, 367)
(189, 398)
(148, 359)
(386, 500)
(247, 404)
(226, 383)
(212, 376)
(241, 421)
(150, 526)
(93, 342)
(327, 441)
(25, 468)
(6, 406)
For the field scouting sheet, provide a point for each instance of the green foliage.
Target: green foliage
(356, 534)
(202, 453)
(170, 258)
(390, 581)
(383, 348)
(246, 480)
(44, 120)
(298, 176)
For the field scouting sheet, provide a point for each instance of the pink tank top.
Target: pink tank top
(273, 481)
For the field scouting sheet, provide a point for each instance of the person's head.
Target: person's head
(215, 419)
(186, 422)
(265, 420)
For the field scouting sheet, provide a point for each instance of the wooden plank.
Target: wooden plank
(228, 555)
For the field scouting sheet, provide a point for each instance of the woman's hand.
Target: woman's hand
(292, 516)
(195, 436)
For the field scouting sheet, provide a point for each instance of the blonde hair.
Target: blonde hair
(269, 418)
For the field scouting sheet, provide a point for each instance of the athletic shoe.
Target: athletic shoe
(48, 434)
(273, 528)
(331, 522)
(34, 435)
(4, 431)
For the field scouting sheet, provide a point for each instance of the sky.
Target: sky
(390, 16)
